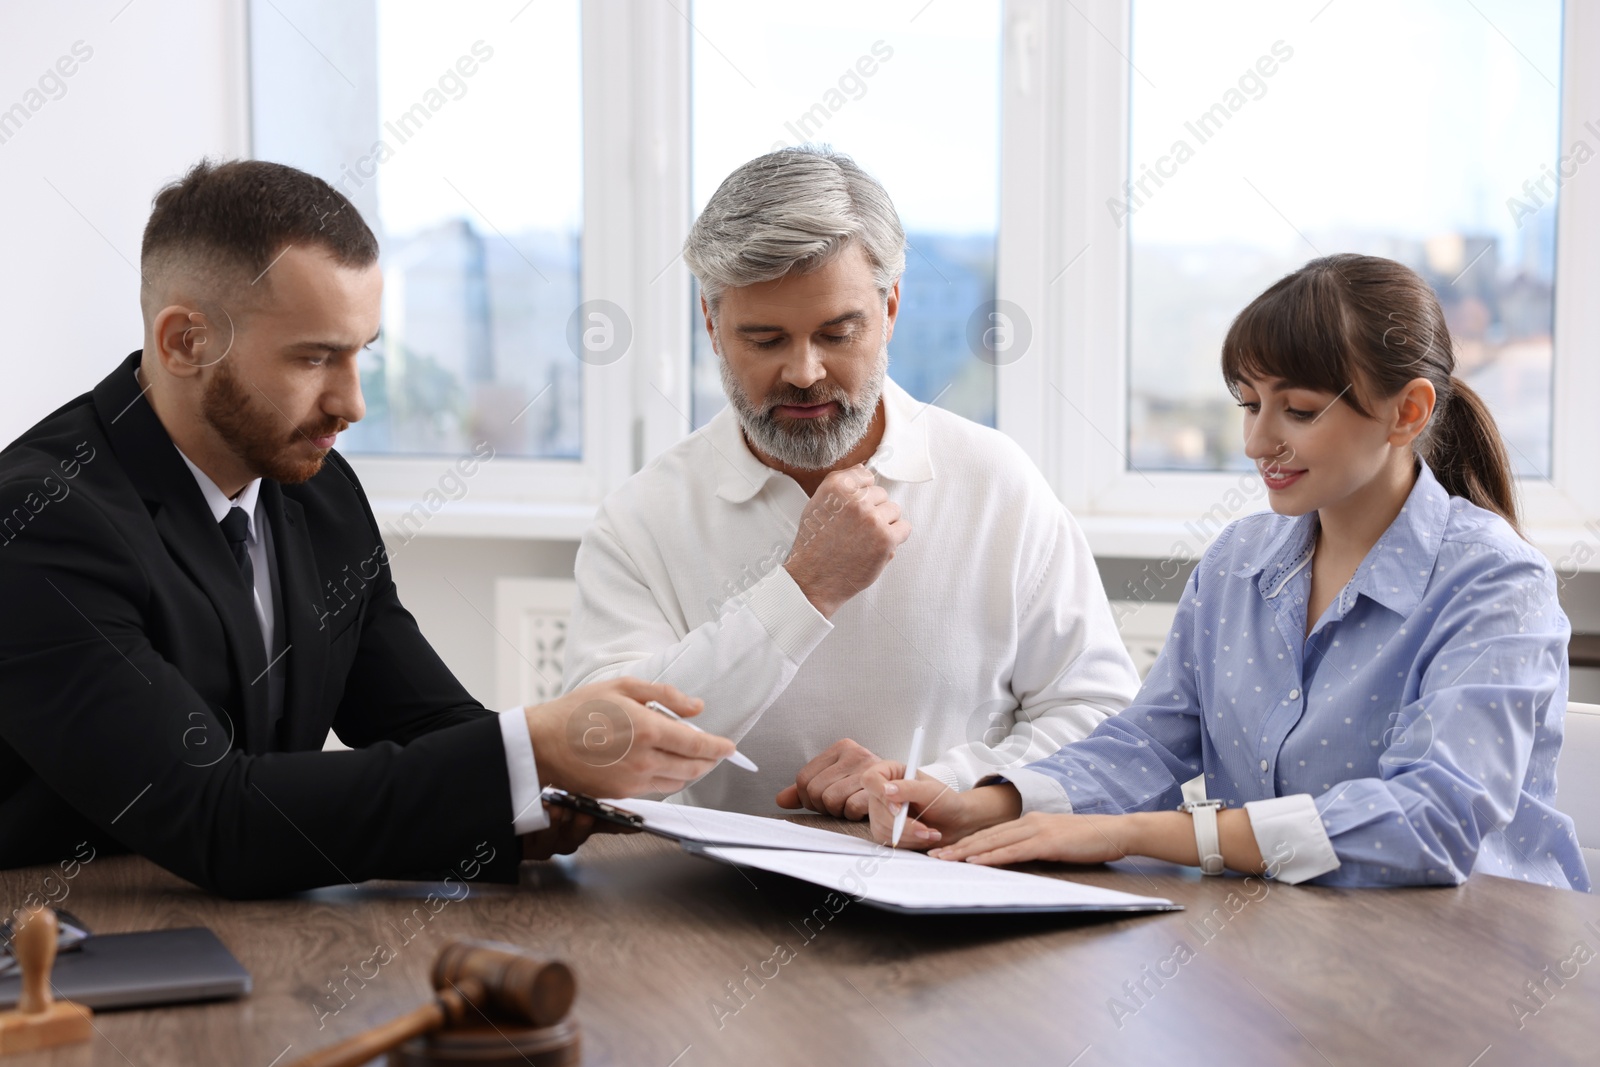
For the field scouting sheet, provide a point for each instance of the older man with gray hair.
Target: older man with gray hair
(766, 563)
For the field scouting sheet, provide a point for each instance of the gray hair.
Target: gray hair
(793, 210)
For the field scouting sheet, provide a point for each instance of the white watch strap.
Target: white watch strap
(1205, 838)
(1204, 815)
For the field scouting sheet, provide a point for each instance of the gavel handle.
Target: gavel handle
(373, 1043)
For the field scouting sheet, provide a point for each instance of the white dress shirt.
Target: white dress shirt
(263, 565)
(527, 813)
(990, 626)
(263, 561)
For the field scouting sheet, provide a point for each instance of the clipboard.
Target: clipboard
(896, 880)
(690, 825)
(910, 883)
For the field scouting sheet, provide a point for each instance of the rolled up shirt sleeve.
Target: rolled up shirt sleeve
(1289, 832)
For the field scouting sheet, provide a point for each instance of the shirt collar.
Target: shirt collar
(1281, 547)
(1395, 571)
(218, 501)
(902, 455)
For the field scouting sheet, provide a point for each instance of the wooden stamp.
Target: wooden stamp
(39, 1020)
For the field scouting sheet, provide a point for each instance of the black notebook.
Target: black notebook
(133, 970)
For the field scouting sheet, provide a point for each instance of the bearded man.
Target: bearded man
(196, 593)
(767, 562)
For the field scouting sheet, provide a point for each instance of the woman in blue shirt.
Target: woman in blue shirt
(1371, 677)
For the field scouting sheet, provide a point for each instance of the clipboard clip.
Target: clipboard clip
(588, 805)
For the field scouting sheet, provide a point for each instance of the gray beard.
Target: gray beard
(807, 444)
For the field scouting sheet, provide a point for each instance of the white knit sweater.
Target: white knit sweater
(989, 627)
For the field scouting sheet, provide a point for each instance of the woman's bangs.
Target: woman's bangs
(1293, 334)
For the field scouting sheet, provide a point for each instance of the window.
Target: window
(911, 91)
(1427, 132)
(467, 163)
(560, 177)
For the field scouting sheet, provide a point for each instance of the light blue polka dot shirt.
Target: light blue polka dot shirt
(1410, 739)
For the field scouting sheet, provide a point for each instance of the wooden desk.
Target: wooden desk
(1273, 974)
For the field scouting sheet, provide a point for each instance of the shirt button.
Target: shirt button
(1263, 764)
(1294, 694)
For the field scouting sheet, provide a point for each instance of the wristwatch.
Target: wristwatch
(1204, 813)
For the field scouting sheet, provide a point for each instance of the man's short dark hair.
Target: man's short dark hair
(235, 218)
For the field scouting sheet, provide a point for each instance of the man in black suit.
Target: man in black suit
(193, 591)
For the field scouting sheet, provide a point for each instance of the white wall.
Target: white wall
(164, 85)
(448, 584)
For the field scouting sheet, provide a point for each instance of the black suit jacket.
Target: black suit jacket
(133, 702)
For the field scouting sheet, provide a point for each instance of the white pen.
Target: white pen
(738, 759)
(912, 759)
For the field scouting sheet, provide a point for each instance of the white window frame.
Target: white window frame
(1065, 149)
(635, 207)
(635, 217)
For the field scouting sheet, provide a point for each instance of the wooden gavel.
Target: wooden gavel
(40, 1021)
(497, 979)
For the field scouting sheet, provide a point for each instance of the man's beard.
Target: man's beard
(807, 444)
(259, 434)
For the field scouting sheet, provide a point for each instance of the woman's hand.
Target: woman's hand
(939, 814)
(1038, 836)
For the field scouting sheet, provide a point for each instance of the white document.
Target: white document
(708, 826)
(916, 882)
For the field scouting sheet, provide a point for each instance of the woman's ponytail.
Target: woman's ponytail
(1465, 451)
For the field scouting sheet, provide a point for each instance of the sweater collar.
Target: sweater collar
(902, 455)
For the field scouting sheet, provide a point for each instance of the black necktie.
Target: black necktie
(236, 528)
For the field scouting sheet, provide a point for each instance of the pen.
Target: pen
(738, 759)
(912, 759)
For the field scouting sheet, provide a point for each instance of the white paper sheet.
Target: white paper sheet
(912, 880)
(708, 826)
